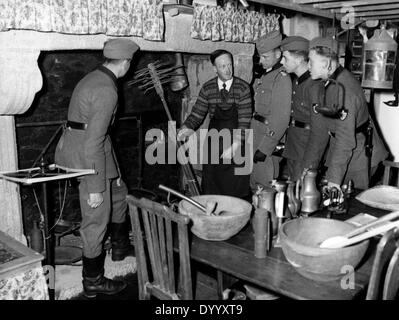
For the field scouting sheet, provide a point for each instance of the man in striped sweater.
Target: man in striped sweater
(227, 99)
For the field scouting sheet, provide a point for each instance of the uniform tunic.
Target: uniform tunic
(94, 102)
(346, 153)
(272, 101)
(304, 147)
(234, 113)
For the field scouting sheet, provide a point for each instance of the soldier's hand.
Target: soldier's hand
(95, 199)
(259, 156)
(331, 185)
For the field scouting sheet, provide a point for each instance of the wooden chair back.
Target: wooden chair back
(153, 225)
(381, 283)
(391, 284)
(391, 173)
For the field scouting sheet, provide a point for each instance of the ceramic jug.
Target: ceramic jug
(310, 196)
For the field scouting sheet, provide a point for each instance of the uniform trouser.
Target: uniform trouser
(264, 172)
(95, 220)
(295, 169)
(360, 178)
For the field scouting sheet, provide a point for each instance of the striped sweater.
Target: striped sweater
(210, 96)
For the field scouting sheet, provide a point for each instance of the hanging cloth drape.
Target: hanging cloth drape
(231, 24)
(141, 18)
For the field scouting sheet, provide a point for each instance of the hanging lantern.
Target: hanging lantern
(379, 56)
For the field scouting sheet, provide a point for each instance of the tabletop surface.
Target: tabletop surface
(235, 256)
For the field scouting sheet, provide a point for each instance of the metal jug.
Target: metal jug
(265, 198)
(310, 196)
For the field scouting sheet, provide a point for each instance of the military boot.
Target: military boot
(94, 281)
(121, 246)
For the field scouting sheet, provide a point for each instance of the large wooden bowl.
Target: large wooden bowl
(300, 240)
(217, 228)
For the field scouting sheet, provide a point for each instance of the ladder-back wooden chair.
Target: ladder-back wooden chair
(391, 284)
(385, 268)
(391, 173)
(152, 225)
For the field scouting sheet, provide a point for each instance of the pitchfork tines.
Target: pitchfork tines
(154, 76)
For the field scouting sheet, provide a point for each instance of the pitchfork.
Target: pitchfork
(154, 76)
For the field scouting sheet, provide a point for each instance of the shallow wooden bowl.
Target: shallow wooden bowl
(300, 240)
(217, 228)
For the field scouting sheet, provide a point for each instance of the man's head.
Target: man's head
(222, 62)
(295, 53)
(323, 57)
(118, 54)
(268, 49)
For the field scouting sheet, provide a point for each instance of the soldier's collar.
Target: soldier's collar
(275, 67)
(303, 77)
(109, 73)
(336, 73)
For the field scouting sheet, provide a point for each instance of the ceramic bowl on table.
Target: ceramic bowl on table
(300, 240)
(217, 227)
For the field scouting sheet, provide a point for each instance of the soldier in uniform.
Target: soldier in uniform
(85, 144)
(272, 95)
(307, 133)
(346, 155)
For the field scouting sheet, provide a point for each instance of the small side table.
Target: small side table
(44, 174)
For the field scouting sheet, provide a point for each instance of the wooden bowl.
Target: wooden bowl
(217, 228)
(300, 240)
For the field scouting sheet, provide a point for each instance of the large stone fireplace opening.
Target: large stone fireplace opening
(38, 130)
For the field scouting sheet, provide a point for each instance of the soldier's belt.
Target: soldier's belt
(260, 118)
(76, 125)
(360, 129)
(299, 124)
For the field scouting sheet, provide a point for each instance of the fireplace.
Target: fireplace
(22, 79)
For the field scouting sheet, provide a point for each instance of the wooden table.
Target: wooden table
(236, 257)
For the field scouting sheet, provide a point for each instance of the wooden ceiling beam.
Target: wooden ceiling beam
(369, 8)
(289, 5)
(355, 3)
(309, 1)
(380, 17)
(376, 13)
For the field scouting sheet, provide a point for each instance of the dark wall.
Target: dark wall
(61, 72)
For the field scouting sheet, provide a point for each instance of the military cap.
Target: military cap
(295, 43)
(120, 49)
(329, 43)
(268, 42)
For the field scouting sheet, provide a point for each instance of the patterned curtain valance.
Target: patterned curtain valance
(140, 18)
(230, 24)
